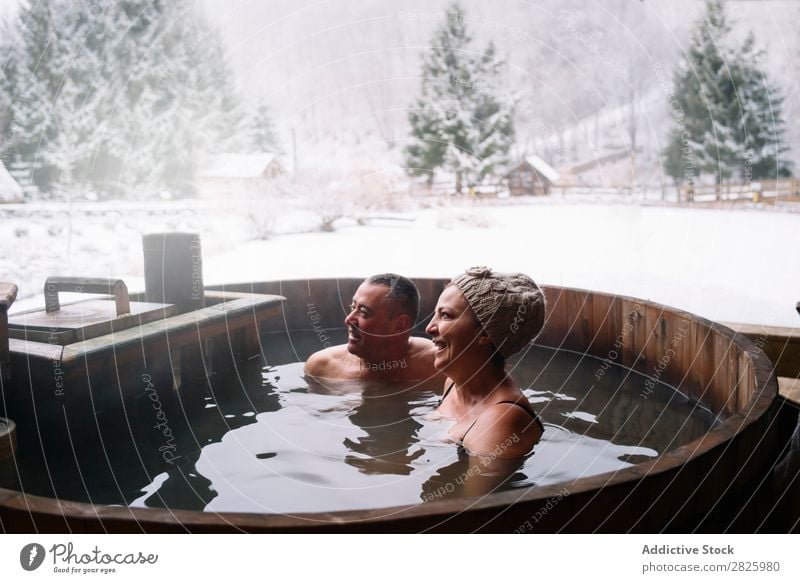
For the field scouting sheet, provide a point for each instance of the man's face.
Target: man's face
(370, 325)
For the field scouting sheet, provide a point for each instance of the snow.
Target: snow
(724, 265)
(238, 165)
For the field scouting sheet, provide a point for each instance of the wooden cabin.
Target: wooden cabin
(532, 176)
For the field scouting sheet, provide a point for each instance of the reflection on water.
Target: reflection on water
(270, 440)
(390, 443)
(472, 476)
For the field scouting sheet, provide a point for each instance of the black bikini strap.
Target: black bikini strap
(447, 392)
(468, 430)
(518, 404)
(528, 409)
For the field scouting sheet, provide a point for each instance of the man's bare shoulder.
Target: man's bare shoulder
(422, 347)
(421, 360)
(328, 363)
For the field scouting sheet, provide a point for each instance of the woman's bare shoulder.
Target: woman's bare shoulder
(503, 430)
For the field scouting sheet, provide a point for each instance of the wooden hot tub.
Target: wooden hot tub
(710, 484)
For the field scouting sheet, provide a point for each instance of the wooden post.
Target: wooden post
(173, 270)
(8, 293)
(757, 193)
(8, 446)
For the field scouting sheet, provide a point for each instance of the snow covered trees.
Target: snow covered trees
(728, 117)
(116, 97)
(459, 124)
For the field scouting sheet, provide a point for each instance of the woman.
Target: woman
(481, 319)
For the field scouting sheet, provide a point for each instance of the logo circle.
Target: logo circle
(31, 556)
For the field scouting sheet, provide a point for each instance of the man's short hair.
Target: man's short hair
(403, 294)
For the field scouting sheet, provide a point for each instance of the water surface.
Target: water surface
(267, 439)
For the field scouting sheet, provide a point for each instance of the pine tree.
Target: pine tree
(123, 97)
(6, 47)
(260, 130)
(459, 124)
(33, 78)
(698, 102)
(728, 118)
(757, 116)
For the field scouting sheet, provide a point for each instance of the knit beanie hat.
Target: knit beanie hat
(509, 306)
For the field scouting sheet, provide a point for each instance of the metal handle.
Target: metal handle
(86, 285)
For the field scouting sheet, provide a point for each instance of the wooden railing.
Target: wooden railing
(768, 191)
(763, 191)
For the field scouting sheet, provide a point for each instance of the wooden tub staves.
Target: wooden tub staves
(710, 484)
(8, 446)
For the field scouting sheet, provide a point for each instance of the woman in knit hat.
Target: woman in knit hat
(482, 318)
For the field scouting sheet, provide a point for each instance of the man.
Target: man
(379, 342)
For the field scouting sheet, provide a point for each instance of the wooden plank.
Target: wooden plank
(723, 372)
(35, 349)
(8, 438)
(5, 354)
(746, 387)
(677, 348)
(634, 340)
(682, 341)
(606, 314)
(579, 316)
(555, 320)
(8, 293)
(84, 320)
(186, 329)
(657, 336)
(179, 330)
(780, 344)
(698, 355)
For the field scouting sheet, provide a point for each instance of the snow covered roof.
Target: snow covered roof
(543, 168)
(10, 191)
(597, 161)
(238, 165)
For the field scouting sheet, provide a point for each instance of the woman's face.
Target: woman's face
(454, 330)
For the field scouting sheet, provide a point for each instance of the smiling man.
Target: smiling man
(379, 342)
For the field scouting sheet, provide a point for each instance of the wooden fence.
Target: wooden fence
(763, 191)
(767, 191)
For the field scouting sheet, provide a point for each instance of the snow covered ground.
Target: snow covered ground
(724, 265)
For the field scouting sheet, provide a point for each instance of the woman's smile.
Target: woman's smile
(452, 328)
